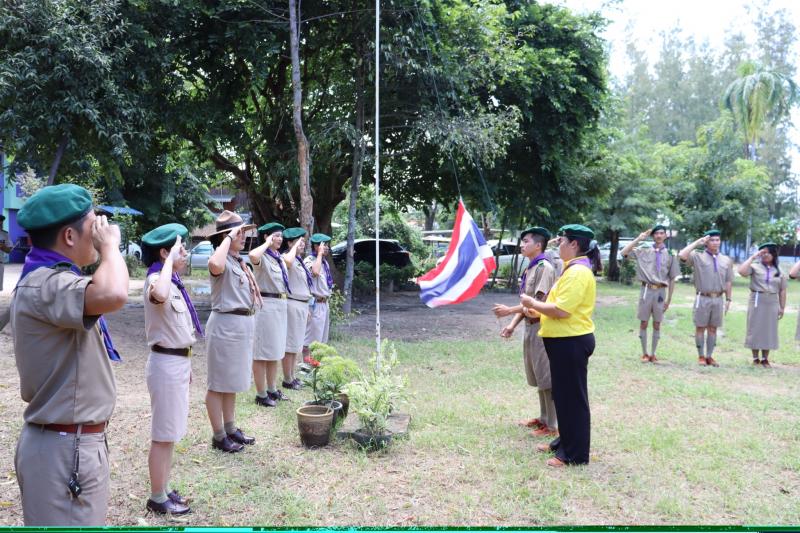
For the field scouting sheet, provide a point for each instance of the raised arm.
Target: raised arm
(258, 252)
(316, 266)
(290, 256)
(745, 268)
(631, 245)
(159, 292)
(216, 263)
(108, 291)
(684, 254)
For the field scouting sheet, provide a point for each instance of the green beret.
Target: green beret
(576, 230)
(318, 238)
(54, 205)
(293, 233)
(536, 230)
(270, 228)
(164, 236)
(766, 245)
(713, 233)
(658, 227)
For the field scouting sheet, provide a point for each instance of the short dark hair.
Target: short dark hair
(539, 238)
(47, 237)
(151, 254)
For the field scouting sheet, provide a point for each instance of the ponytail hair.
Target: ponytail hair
(589, 248)
(773, 251)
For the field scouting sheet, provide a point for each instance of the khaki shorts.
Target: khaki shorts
(708, 311)
(651, 303)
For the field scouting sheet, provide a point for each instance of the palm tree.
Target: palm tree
(757, 99)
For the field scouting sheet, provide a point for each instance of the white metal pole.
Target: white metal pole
(377, 178)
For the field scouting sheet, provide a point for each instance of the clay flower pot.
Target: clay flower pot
(314, 423)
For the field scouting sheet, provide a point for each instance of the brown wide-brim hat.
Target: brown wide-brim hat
(227, 220)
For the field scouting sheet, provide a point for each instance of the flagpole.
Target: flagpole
(377, 180)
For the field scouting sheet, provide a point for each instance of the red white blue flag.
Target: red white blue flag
(465, 268)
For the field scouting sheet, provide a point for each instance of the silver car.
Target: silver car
(198, 256)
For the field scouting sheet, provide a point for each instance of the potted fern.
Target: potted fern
(374, 397)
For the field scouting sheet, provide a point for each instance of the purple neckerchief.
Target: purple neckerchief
(767, 278)
(277, 257)
(305, 269)
(579, 261)
(176, 279)
(658, 258)
(535, 261)
(328, 275)
(44, 258)
(714, 257)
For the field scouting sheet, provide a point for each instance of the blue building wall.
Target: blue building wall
(11, 201)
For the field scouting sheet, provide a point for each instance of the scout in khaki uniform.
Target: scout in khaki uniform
(567, 330)
(713, 276)
(63, 353)
(767, 301)
(656, 270)
(300, 282)
(270, 346)
(537, 280)
(234, 299)
(170, 323)
(794, 273)
(319, 320)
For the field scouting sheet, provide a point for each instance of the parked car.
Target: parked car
(392, 253)
(504, 254)
(605, 249)
(133, 249)
(199, 255)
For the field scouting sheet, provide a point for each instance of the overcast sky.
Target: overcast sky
(706, 20)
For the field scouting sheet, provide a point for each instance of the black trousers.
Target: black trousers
(569, 360)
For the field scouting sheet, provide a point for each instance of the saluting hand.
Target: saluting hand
(268, 239)
(105, 235)
(175, 251)
(234, 233)
(643, 235)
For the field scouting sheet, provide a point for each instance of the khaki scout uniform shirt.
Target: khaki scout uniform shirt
(758, 279)
(169, 323)
(705, 279)
(646, 266)
(541, 278)
(319, 282)
(64, 371)
(231, 289)
(298, 282)
(268, 275)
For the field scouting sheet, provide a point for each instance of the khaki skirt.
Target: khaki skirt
(230, 351)
(297, 320)
(270, 334)
(762, 321)
(318, 324)
(168, 384)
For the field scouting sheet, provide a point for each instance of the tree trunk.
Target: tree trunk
(497, 257)
(303, 157)
(57, 160)
(613, 265)
(513, 277)
(355, 183)
(430, 215)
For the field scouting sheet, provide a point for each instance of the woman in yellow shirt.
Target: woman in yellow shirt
(568, 334)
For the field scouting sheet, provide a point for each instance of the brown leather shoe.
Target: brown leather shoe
(765, 363)
(645, 358)
(226, 445)
(266, 401)
(168, 507)
(532, 423)
(555, 462)
(653, 359)
(543, 447)
(545, 432)
(711, 362)
(241, 438)
(291, 385)
(701, 361)
(756, 361)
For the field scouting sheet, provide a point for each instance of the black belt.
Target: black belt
(281, 295)
(240, 312)
(185, 352)
(304, 300)
(654, 286)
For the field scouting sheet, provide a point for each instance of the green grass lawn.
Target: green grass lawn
(671, 443)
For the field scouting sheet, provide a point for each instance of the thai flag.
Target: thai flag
(465, 268)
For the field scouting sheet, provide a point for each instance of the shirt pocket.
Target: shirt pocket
(178, 305)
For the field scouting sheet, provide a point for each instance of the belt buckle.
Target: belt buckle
(284, 296)
(189, 351)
